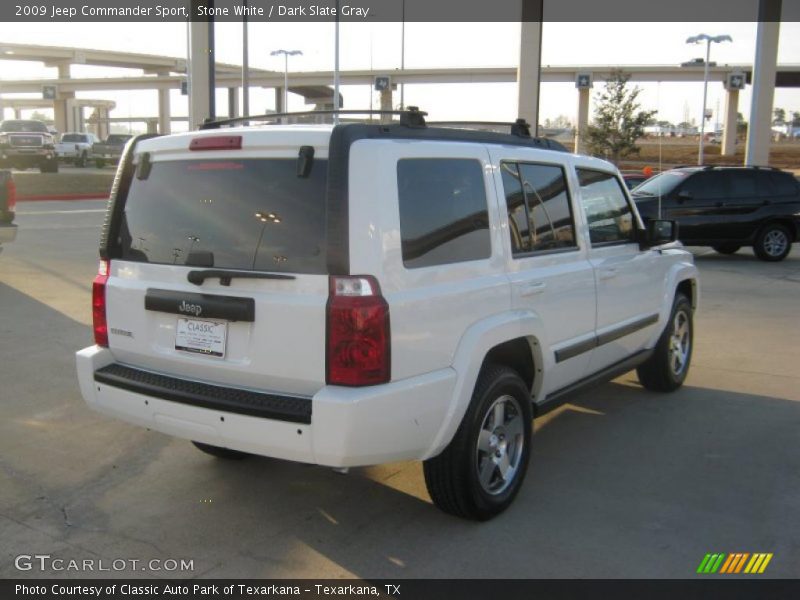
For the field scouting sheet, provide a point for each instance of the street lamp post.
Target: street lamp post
(286, 55)
(708, 39)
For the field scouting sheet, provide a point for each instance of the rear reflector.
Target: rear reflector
(99, 304)
(11, 195)
(358, 333)
(217, 142)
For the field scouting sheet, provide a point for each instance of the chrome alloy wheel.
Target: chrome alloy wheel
(775, 242)
(500, 444)
(680, 342)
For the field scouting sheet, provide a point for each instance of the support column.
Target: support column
(729, 123)
(164, 110)
(62, 110)
(386, 104)
(152, 125)
(103, 126)
(279, 100)
(17, 113)
(530, 54)
(583, 120)
(199, 72)
(759, 131)
(233, 102)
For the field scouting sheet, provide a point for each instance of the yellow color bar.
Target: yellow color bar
(765, 563)
(754, 562)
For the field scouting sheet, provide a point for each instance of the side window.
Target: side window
(607, 210)
(706, 185)
(517, 210)
(548, 206)
(786, 184)
(443, 211)
(742, 184)
(539, 216)
(765, 187)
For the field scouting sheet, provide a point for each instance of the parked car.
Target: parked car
(8, 201)
(727, 207)
(27, 143)
(109, 150)
(75, 148)
(364, 293)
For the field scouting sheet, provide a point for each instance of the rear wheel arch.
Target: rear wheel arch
(517, 354)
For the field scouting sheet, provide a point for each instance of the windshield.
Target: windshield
(72, 137)
(253, 214)
(661, 184)
(23, 127)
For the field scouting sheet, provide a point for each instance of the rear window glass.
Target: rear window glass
(72, 137)
(252, 214)
(118, 139)
(443, 212)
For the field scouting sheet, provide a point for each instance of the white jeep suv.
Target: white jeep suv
(363, 293)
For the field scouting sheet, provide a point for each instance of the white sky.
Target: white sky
(377, 45)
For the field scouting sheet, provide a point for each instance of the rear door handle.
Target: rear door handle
(531, 289)
(608, 273)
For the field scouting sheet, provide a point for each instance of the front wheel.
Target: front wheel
(666, 369)
(82, 160)
(481, 471)
(773, 243)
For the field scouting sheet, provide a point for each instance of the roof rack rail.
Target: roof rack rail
(411, 117)
(519, 128)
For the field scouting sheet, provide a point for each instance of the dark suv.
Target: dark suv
(727, 207)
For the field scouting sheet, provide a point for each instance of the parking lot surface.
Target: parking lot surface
(623, 482)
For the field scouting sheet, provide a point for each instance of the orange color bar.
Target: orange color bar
(741, 562)
(727, 564)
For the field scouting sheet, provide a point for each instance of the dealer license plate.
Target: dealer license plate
(202, 337)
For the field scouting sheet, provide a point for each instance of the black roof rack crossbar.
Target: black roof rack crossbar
(412, 116)
(519, 128)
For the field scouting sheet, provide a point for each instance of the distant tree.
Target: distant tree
(741, 124)
(562, 122)
(38, 115)
(796, 119)
(778, 116)
(665, 124)
(618, 122)
(685, 125)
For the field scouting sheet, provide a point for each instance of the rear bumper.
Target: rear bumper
(8, 233)
(345, 427)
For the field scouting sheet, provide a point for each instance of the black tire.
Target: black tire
(453, 477)
(219, 452)
(773, 242)
(660, 373)
(82, 160)
(99, 163)
(727, 248)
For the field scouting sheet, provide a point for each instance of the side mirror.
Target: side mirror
(684, 195)
(658, 232)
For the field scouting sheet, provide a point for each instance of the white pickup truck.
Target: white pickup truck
(75, 148)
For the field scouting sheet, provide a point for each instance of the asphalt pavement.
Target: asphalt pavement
(623, 482)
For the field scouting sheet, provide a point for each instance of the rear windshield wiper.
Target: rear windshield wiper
(225, 275)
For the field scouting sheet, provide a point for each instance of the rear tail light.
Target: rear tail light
(358, 333)
(11, 195)
(99, 304)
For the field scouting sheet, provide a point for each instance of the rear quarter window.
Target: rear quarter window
(443, 211)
